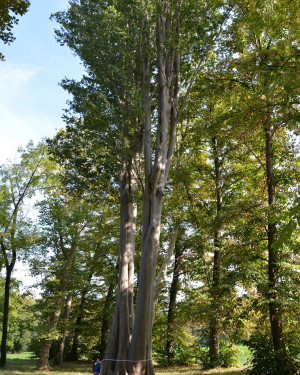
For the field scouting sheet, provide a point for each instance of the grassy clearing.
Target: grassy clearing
(22, 364)
(244, 355)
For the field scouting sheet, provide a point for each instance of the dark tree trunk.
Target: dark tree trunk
(172, 305)
(73, 356)
(9, 269)
(273, 270)
(58, 359)
(106, 318)
(43, 363)
(215, 289)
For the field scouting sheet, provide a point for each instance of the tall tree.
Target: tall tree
(266, 57)
(19, 181)
(64, 219)
(141, 47)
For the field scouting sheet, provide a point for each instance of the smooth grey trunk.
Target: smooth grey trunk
(122, 322)
(140, 351)
(163, 271)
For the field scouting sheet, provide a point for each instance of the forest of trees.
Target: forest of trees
(167, 210)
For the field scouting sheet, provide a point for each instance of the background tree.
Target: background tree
(18, 182)
(9, 10)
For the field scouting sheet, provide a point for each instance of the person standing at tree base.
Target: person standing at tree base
(97, 366)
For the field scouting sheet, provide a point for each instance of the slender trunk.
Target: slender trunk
(215, 290)
(58, 359)
(9, 269)
(73, 355)
(106, 319)
(214, 320)
(273, 269)
(172, 305)
(43, 363)
(163, 271)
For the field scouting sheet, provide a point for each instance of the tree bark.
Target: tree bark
(43, 363)
(5, 314)
(58, 359)
(9, 265)
(106, 319)
(216, 280)
(122, 322)
(273, 263)
(73, 356)
(170, 344)
(163, 271)
(140, 351)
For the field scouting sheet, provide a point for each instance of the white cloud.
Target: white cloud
(13, 78)
(17, 129)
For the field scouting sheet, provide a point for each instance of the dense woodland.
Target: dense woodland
(167, 211)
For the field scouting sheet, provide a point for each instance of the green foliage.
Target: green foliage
(263, 355)
(9, 10)
(227, 356)
(22, 322)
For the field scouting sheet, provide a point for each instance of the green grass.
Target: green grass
(22, 364)
(243, 355)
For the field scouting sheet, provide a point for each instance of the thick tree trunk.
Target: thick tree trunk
(138, 359)
(58, 360)
(140, 351)
(273, 270)
(9, 269)
(43, 363)
(170, 344)
(122, 323)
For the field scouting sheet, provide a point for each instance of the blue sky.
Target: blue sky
(31, 100)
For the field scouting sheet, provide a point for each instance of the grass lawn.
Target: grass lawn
(21, 364)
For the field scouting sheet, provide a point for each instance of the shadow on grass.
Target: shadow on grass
(28, 366)
(20, 363)
(197, 370)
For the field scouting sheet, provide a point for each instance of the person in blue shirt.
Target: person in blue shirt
(97, 366)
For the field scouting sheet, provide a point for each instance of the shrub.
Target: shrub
(227, 356)
(263, 355)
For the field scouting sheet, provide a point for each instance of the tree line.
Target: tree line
(169, 203)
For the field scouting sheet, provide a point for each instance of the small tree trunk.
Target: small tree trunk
(170, 344)
(73, 356)
(9, 269)
(163, 271)
(43, 363)
(58, 359)
(273, 271)
(106, 319)
(215, 289)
